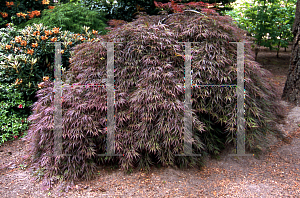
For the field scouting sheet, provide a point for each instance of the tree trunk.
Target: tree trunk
(291, 91)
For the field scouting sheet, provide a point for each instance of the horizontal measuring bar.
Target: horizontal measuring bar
(74, 85)
(212, 85)
(97, 85)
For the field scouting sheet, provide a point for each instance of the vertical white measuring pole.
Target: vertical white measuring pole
(240, 91)
(57, 132)
(110, 100)
(110, 88)
(188, 127)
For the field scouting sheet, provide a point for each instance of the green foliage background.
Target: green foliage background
(270, 23)
(71, 17)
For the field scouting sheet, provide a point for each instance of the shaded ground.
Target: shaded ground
(275, 174)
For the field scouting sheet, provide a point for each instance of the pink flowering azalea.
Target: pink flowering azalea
(20, 106)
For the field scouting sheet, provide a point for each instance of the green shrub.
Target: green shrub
(28, 54)
(149, 94)
(28, 70)
(6, 34)
(13, 115)
(13, 120)
(71, 17)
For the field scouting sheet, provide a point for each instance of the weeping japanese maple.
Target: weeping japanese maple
(149, 97)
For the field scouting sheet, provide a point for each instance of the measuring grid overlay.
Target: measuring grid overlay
(187, 105)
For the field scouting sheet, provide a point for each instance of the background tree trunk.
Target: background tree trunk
(291, 91)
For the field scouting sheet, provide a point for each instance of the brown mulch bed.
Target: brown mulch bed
(276, 173)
